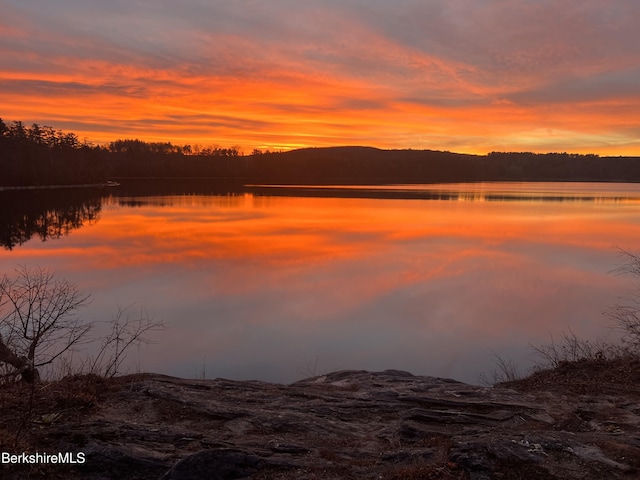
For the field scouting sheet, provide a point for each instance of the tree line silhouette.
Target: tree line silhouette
(40, 155)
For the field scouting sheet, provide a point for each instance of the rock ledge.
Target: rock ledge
(343, 425)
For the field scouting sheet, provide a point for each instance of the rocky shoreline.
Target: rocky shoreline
(343, 425)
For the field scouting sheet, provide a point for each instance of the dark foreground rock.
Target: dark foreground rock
(344, 425)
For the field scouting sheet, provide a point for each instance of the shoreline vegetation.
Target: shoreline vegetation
(42, 156)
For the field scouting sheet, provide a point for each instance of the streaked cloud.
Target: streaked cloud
(462, 75)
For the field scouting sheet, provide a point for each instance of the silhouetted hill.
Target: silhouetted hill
(366, 165)
(359, 165)
(39, 155)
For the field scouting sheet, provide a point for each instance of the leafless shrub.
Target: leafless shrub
(571, 348)
(630, 263)
(39, 325)
(504, 370)
(201, 373)
(627, 318)
(626, 314)
(125, 332)
(38, 321)
(310, 368)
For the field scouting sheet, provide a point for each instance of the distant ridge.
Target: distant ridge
(362, 165)
(42, 156)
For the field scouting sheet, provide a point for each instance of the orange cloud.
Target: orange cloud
(409, 77)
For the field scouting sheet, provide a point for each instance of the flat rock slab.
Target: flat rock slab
(344, 425)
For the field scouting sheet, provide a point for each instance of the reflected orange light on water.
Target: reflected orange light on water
(258, 282)
(282, 231)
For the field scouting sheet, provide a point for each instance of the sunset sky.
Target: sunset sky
(462, 75)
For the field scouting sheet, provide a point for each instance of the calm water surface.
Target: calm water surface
(278, 282)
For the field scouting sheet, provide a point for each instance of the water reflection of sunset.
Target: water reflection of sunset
(312, 229)
(258, 284)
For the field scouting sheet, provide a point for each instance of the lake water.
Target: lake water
(277, 283)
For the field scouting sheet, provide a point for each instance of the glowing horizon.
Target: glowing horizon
(465, 76)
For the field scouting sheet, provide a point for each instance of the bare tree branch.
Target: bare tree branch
(38, 321)
(125, 333)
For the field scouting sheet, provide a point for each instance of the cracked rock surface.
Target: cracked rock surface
(343, 425)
